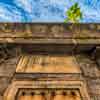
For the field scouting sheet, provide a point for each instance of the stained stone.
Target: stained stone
(92, 26)
(47, 64)
(98, 27)
(8, 67)
(76, 64)
(4, 82)
(88, 66)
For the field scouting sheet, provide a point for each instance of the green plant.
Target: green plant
(74, 14)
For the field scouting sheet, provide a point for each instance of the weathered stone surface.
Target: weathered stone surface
(88, 66)
(48, 76)
(97, 56)
(39, 38)
(8, 67)
(8, 59)
(48, 64)
(48, 33)
(17, 85)
(42, 29)
(4, 82)
(91, 74)
(57, 95)
(94, 86)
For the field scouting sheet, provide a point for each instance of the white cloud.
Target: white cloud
(27, 5)
(9, 13)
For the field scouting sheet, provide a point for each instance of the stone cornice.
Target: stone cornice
(56, 33)
(49, 30)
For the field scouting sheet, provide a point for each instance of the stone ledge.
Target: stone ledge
(11, 91)
(50, 41)
(51, 30)
(48, 33)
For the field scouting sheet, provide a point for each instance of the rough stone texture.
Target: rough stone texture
(94, 86)
(48, 30)
(91, 73)
(81, 40)
(48, 64)
(8, 60)
(4, 81)
(8, 67)
(49, 33)
(88, 66)
(7, 70)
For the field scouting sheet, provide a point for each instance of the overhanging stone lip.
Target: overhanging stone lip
(16, 85)
(69, 76)
(67, 41)
(52, 30)
(50, 33)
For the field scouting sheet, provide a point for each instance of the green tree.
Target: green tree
(74, 14)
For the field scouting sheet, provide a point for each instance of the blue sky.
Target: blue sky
(46, 10)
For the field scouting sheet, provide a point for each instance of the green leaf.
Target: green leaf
(74, 14)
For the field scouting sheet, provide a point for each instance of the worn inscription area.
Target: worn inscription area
(47, 64)
(50, 94)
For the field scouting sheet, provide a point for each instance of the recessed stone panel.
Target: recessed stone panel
(47, 64)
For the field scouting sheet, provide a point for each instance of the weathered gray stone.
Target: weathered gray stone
(94, 88)
(4, 82)
(8, 67)
(88, 66)
(11, 31)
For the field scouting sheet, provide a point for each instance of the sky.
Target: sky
(47, 10)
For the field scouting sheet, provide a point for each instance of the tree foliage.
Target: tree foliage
(74, 14)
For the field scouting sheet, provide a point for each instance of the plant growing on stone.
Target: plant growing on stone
(74, 14)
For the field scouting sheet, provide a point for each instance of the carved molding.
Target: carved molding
(49, 94)
(12, 90)
(54, 30)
